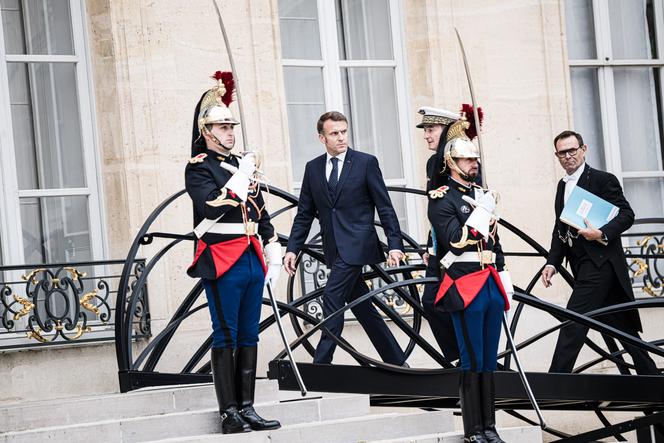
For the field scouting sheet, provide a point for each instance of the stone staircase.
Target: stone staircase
(189, 414)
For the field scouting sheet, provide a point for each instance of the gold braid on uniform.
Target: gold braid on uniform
(222, 200)
(465, 241)
(253, 203)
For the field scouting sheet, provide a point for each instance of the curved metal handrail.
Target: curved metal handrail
(406, 289)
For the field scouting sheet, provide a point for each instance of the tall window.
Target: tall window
(50, 209)
(346, 55)
(616, 57)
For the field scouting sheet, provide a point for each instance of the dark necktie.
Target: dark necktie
(334, 176)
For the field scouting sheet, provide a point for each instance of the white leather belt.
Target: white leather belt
(229, 229)
(465, 257)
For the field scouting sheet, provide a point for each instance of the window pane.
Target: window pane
(46, 125)
(399, 203)
(646, 196)
(587, 113)
(298, 23)
(371, 107)
(632, 29)
(55, 229)
(580, 29)
(639, 109)
(44, 27)
(363, 29)
(304, 104)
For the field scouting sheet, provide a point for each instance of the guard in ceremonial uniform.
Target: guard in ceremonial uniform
(435, 123)
(463, 219)
(234, 233)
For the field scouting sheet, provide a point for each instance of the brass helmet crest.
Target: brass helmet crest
(460, 138)
(216, 101)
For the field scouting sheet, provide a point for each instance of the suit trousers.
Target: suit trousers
(595, 288)
(440, 322)
(345, 284)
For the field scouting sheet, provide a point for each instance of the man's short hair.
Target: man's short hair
(332, 115)
(567, 134)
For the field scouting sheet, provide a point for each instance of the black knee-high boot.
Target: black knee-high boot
(246, 384)
(471, 408)
(489, 407)
(223, 374)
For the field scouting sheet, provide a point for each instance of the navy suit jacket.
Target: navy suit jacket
(347, 217)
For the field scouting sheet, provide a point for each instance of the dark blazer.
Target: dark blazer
(347, 217)
(606, 186)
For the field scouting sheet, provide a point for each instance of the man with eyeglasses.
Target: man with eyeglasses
(595, 255)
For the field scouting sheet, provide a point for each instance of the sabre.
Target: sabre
(508, 333)
(237, 80)
(277, 317)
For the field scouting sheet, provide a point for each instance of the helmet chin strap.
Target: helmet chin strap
(463, 174)
(215, 139)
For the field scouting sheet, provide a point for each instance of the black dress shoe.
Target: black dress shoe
(232, 422)
(476, 438)
(256, 422)
(492, 436)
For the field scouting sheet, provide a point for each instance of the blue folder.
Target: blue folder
(583, 204)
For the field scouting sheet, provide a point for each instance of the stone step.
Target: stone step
(522, 434)
(140, 403)
(356, 429)
(192, 422)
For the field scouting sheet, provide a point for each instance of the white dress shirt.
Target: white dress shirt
(571, 181)
(328, 164)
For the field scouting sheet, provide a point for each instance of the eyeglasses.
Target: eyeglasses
(571, 152)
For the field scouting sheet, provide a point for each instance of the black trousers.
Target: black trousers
(440, 322)
(596, 288)
(344, 285)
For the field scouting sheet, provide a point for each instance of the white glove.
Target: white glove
(272, 276)
(248, 164)
(273, 256)
(506, 280)
(239, 182)
(480, 218)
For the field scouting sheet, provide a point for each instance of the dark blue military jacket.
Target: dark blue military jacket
(205, 180)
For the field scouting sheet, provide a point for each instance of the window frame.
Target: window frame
(606, 87)
(331, 66)
(10, 218)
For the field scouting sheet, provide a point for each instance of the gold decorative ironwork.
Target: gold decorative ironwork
(31, 275)
(643, 266)
(27, 307)
(85, 302)
(75, 273)
(37, 335)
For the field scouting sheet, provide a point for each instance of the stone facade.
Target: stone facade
(152, 60)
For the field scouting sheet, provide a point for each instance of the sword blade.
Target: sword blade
(476, 116)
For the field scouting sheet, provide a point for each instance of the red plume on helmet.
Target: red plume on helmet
(229, 84)
(471, 132)
(226, 78)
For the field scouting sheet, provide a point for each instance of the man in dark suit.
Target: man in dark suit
(595, 255)
(343, 188)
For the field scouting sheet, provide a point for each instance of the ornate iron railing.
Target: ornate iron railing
(54, 304)
(396, 291)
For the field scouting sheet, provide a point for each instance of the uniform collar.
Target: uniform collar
(459, 186)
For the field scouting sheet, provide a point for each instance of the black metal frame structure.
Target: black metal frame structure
(394, 289)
